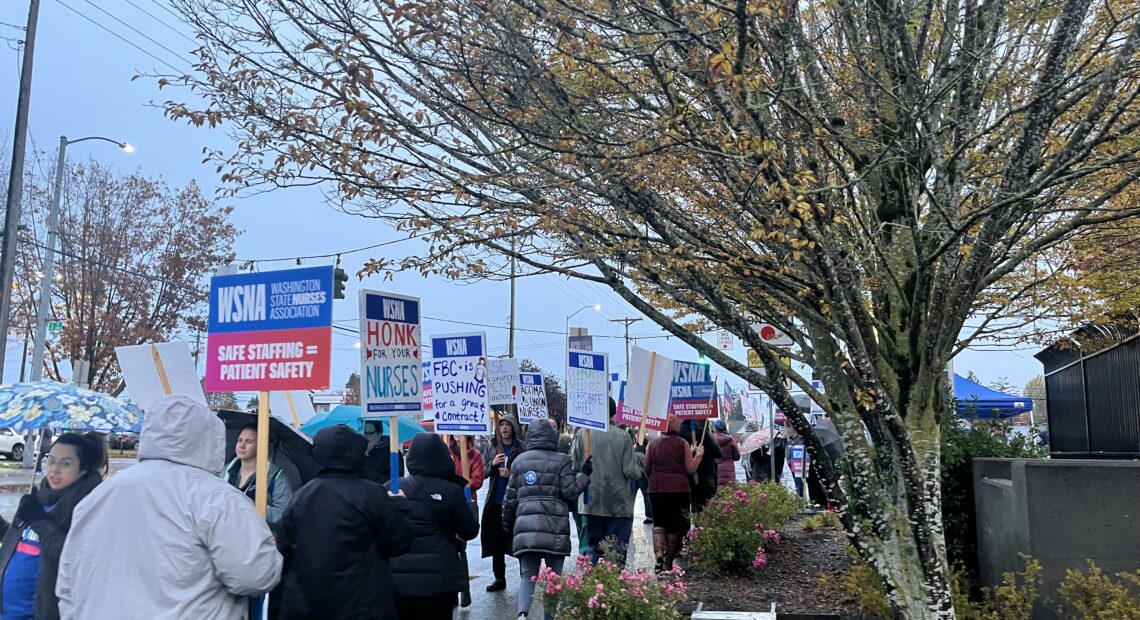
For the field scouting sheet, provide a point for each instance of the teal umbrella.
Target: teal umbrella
(351, 416)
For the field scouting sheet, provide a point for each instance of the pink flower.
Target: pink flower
(772, 536)
(741, 496)
(761, 559)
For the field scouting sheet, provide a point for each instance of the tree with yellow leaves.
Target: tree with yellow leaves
(865, 174)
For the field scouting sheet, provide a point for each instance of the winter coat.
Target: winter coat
(706, 475)
(616, 464)
(440, 520)
(474, 462)
(726, 464)
(378, 462)
(491, 472)
(279, 496)
(166, 538)
(338, 536)
(542, 486)
(52, 531)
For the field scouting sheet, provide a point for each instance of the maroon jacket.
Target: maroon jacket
(726, 464)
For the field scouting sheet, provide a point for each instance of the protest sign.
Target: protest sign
(503, 381)
(293, 408)
(647, 390)
(587, 388)
(459, 384)
(390, 361)
(532, 401)
(154, 371)
(798, 460)
(692, 391)
(270, 331)
(429, 407)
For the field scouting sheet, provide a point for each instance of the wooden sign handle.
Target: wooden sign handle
(261, 473)
(165, 380)
(645, 406)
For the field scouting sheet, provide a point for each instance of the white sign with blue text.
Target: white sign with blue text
(587, 390)
(390, 359)
(532, 398)
(459, 384)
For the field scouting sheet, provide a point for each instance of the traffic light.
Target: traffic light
(339, 280)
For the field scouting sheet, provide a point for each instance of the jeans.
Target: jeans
(616, 529)
(528, 568)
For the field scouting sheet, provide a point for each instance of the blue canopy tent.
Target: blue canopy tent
(350, 416)
(983, 403)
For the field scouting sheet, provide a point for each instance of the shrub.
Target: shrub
(960, 446)
(1097, 595)
(608, 592)
(739, 525)
(820, 521)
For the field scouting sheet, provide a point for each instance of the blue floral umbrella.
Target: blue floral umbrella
(61, 406)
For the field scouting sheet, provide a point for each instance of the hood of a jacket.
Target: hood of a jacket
(541, 436)
(429, 456)
(184, 431)
(516, 438)
(339, 448)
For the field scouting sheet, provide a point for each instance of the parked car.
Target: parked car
(124, 441)
(11, 444)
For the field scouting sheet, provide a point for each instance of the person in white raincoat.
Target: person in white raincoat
(167, 538)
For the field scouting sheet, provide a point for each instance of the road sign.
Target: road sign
(55, 326)
(391, 366)
(270, 331)
(755, 362)
(724, 340)
(771, 335)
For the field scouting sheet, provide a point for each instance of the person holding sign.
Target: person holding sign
(430, 573)
(377, 458)
(205, 549)
(474, 482)
(669, 462)
(696, 432)
(542, 485)
(609, 514)
(497, 464)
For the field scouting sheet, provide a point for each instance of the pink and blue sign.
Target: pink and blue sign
(270, 331)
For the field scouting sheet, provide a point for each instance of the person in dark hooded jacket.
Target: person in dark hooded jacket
(431, 572)
(703, 485)
(542, 487)
(497, 462)
(338, 536)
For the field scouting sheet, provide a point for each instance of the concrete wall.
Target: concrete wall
(1059, 512)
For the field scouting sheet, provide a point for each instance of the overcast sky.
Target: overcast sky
(83, 86)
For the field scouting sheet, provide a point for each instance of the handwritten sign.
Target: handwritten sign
(390, 360)
(586, 391)
(691, 393)
(503, 381)
(532, 398)
(459, 384)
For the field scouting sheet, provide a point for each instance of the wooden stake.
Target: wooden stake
(292, 409)
(261, 481)
(162, 371)
(464, 460)
(645, 405)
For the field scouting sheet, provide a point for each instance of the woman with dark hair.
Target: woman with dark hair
(33, 542)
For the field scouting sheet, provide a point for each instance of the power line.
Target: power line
(329, 255)
(168, 10)
(118, 36)
(136, 30)
(151, 15)
(24, 28)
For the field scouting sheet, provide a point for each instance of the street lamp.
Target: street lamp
(566, 358)
(47, 275)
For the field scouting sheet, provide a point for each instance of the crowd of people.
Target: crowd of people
(177, 535)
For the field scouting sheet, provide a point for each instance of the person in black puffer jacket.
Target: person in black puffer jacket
(542, 487)
(430, 573)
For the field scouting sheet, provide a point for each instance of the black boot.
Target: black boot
(498, 584)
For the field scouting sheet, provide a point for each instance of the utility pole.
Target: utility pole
(511, 336)
(16, 180)
(626, 322)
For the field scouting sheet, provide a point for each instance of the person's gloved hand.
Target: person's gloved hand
(31, 509)
(588, 466)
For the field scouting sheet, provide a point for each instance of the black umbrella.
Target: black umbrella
(289, 449)
(829, 437)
